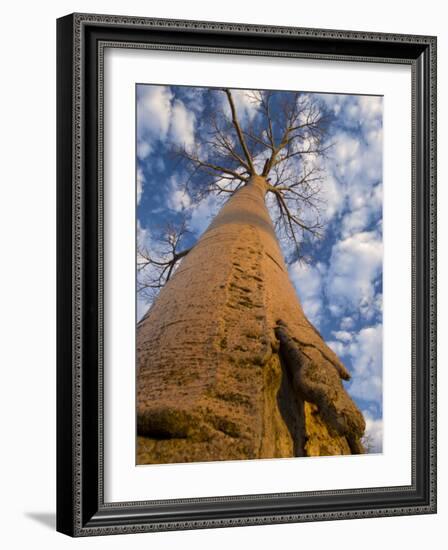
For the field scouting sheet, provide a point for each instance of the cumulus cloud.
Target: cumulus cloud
(143, 236)
(346, 151)
(355, 109)
(342, 335)
(154, 110)
(347, 323)
(179, 200)
(246, 105)
(144, 149)
(337, 346)
(203, 213)
(355, 265)
(333, 196)
(182, 125)
(355, 221)
(365, 210)
(140, 183)
(366, 353)
(160, 117)
(354, 161)
(308, 281)
(178, 197)
(373, 438)
(195, 98)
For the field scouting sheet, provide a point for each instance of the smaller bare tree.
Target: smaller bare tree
(156, 266)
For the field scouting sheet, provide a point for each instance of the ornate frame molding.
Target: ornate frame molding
(81, 42)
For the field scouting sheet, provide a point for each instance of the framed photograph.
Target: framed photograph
(246, 274)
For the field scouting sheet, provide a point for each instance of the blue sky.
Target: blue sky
(340, 285)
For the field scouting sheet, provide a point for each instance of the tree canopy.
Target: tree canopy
(284, 144)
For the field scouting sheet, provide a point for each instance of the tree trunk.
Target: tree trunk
(229, 367)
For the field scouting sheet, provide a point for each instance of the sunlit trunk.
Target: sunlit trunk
(229, 367)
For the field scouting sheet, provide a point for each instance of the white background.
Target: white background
(27, 276)
(125, 482)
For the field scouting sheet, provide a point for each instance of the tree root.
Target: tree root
(320, 383)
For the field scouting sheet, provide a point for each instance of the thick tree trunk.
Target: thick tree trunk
(229, 367)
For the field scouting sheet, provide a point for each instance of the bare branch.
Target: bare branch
(217, 169)
(154, 269)
(239, 131)
(284, 143)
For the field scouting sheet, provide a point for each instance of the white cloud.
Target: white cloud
(364, 209)
(355, 110)
(194, 97)
(140, 183)
(182, 125)
(143, 236)
(347, 323)
(333, 195)
(202, 214)
(354, 162)
(337, 347)
(374, 433)
(371, 108)
(355, 221)
(154, 110)
(365, 350)
(342, 335)
(159, 164)
(308, 280)
(357, 163)
(178, 198)
(144, 149)
(246, 104)
(355, 264)
(346, 152)
(161, 116)
(366, 353)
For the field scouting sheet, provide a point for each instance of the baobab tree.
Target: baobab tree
(229, 366)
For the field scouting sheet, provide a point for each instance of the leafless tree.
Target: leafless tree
(237, 331)
(284, 143)
(156, 266)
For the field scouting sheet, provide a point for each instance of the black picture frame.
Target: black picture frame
(81, 510)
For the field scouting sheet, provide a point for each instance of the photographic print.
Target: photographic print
(259, 262)
(246, 274)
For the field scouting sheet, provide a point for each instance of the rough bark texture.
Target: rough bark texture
(229, 367)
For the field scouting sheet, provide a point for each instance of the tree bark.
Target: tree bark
(229, 367)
